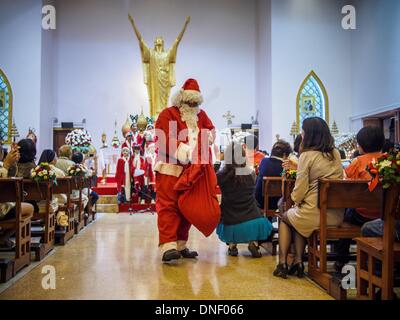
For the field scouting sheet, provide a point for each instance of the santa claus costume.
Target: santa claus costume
(185, 181)
(150, 162)
(138, 163)
(129, 143)
(124, 174)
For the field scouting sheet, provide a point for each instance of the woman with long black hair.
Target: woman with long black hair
(318, 159)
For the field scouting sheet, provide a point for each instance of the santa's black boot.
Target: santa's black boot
(170, 255)
(186, 253)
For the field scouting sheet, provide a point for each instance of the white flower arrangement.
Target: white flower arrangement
(79, 139)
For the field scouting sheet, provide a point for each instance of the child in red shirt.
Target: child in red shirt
(370, 141)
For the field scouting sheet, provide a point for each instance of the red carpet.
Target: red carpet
(108, 189)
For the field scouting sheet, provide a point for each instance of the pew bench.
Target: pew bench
(272, 188)
(337, 194)
(11, 191)
(89, 183)
(45, 221)
(385, 250)
(79, 213)
(64, 234)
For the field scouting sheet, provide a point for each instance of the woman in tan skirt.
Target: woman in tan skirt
(318, 159)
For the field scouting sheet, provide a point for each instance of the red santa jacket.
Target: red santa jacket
(120, 174)
(166, 148)
(197, 182)
(149, 170)
(142, 166)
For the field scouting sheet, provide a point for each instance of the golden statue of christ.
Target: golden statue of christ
(158, 69)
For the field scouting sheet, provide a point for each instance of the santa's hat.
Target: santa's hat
(125, 149)
(190, 92)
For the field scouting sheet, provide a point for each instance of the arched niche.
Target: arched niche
(312, 100)
(6, 107)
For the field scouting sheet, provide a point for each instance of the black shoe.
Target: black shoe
(281, 271)
(233, 252)
(254, 250)
(172, 254)
(297, 269)
(186, 253)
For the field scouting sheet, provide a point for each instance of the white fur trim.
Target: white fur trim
(184, 153)
(168, 246)
(181, 245)
(187, 96)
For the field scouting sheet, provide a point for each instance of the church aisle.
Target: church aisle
(117, 258)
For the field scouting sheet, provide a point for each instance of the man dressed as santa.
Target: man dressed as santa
(184, 134)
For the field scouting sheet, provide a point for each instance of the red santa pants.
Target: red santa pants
(172, 225)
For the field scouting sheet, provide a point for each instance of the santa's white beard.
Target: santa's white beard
(189, 115)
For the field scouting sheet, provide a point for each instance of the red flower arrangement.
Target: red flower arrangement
(385, 170)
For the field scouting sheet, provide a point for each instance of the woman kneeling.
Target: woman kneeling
(241, 219)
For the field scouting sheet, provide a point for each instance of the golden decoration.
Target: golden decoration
(126, 127)
(158, 69)
(142, 122)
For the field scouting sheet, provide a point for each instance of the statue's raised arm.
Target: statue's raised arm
(177, 41)
(143, 47)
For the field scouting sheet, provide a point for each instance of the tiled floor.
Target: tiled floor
(117, 258)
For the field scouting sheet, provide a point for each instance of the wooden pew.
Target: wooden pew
(11, 191)
(272, 188)
(77, 184)
(64, 186)
(94, 184)
(287, 189)
(337, 194)
(42, 191)
(385, 250)
(88, 183)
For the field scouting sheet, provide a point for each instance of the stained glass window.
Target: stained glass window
(5, 109)
(312, 100)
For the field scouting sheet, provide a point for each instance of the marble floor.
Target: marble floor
(117, 258)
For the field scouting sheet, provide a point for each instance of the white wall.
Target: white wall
(307, 35)
(98, 65)
(20, 58)
(376, 58)
(47, 107)
(263, 93)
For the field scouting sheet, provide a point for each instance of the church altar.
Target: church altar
(107, 160)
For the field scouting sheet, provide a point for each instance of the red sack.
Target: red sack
(198, 199)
